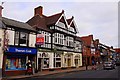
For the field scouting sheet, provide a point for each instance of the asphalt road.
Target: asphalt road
(81, 74)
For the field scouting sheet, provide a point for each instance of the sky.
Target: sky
(99, 18)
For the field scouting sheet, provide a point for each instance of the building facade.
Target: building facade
(90, 50)
(18, 46)
(58, 49)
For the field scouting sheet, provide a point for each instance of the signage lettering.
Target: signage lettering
(22, 50)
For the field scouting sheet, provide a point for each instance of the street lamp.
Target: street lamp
(84, 49)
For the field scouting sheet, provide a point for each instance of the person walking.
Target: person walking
(29, 68)
(93, 65)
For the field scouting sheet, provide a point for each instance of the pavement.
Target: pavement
(43, 73)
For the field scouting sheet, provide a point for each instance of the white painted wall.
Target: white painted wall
(1, 47)
(32, 40)
(11, 35)
(51, 62)
(80, 60)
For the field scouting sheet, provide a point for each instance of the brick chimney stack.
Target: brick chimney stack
(38, 11)
(1, 10)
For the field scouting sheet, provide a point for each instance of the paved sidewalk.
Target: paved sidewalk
(48, 73)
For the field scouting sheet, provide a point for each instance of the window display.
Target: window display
(57, 60)
(15, 63)
(46, 63)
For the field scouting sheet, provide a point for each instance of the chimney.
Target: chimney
(1, 10)
(38, 11)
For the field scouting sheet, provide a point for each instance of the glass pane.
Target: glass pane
(15, 63)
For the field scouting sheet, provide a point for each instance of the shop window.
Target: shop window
(15, 63)
(46, 63)
(57, 60)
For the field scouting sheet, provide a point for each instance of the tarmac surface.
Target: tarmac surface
(43, 73)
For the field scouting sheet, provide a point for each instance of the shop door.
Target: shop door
(69, 62)
(76, 62)
(40, 61)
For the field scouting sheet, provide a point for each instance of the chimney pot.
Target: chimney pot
(38, 11)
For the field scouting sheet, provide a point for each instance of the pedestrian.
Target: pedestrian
(93, 65)
(29, 68)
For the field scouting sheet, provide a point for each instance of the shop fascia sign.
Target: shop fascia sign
(22, 50)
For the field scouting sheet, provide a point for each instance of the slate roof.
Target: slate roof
(43, 21)
(17, 24)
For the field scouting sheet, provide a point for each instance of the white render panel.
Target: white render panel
(51, 63)
(32, 40)
(1, 47)
(11, 35)
(80, 60)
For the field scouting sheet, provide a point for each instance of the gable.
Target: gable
(73, 25)
(62, 22)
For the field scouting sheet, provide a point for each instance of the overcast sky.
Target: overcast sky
(97, 18)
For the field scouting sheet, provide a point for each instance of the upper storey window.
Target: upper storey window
(60, 24)
(21, 38)
(71, 29)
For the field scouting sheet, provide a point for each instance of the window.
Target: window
(16, 38)
(59, 38)
(71, 29)
(16, 63)
(60, 24)
(57, 60)
(23, 39)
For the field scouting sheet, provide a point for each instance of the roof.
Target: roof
(17, 24)
(78, 38)
(43, 21)
(87, 39)
(39, 22)
(53, 19)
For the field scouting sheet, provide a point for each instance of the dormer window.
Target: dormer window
(71, 29)
(60, 24)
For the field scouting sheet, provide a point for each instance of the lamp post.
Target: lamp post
(84, 49)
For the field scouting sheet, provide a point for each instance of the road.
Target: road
(82, 74)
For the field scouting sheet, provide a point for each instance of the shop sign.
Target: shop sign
(22, 50)
(40, 39)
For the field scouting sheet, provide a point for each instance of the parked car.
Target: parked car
(117, 62)
(108, 65)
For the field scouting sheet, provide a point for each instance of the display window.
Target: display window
(57, 60)
(46, 63)
(16, 63)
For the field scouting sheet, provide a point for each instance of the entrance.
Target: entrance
(40, 60)
(69, 62)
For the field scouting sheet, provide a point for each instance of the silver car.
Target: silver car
(108, 65)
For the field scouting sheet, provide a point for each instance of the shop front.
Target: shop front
(43, 61)
(78, 59)
(67, 59)
(16, 59)
(48, 61)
